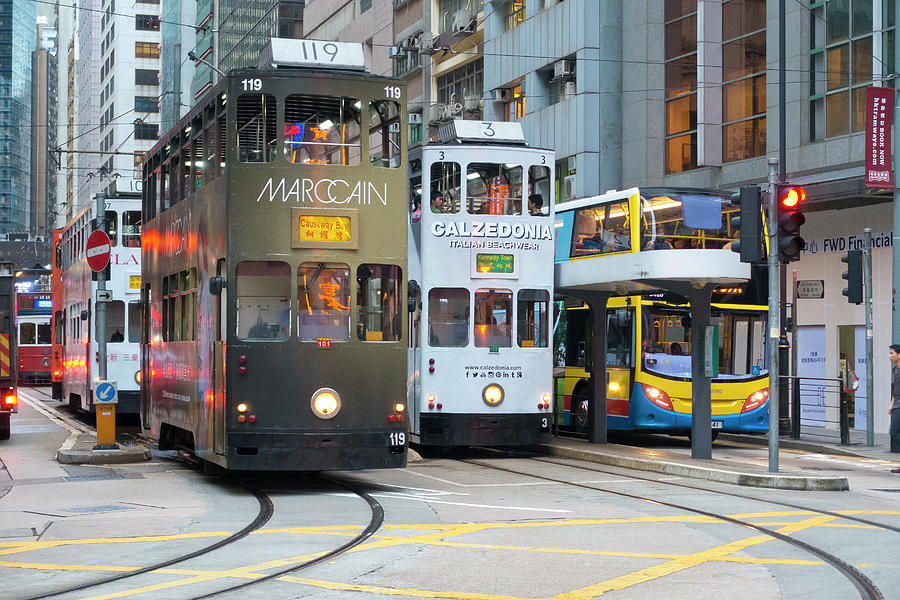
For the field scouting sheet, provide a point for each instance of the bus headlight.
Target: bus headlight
(325, 403)
(492, 394)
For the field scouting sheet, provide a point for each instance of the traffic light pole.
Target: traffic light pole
(870, 366)
(774, 315)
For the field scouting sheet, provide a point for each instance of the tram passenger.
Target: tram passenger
(417, 210)
(535, 204)
(437, 202)
(117, 336)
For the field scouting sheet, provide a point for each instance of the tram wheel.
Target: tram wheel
(579, 409)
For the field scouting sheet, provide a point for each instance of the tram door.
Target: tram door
(219, 316)
(413, 351)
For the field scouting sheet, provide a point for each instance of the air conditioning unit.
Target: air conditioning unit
(427, 46)
(451, 110)
(414, 118)
(436, 112)
(463, 22)
(500, 95)
(569, 187)
(569, 90)
(473, 102)
(563, 68)
(396, 52)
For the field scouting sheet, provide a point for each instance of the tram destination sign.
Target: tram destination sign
(323, 228)
(495, 263)
(811, 288)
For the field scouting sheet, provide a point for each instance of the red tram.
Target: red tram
(56, 348)
(8, 398)
(34, 310)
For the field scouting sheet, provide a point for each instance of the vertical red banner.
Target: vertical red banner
(879, 109)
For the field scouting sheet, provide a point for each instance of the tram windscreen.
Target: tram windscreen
(378, 303)
(323, 291)
(323, 130)
(667, 343)
(263, 300)
(533, 318)
(493, 313)
(448, 317)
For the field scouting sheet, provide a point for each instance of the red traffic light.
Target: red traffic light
(791, 197)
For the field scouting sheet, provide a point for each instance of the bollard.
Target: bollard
(795, 408)
(844, 423)
(105, 400)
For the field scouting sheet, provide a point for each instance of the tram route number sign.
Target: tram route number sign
(97, 250)
(323, 343)
(811, 288)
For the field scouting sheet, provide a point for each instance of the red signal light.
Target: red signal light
(792, 197)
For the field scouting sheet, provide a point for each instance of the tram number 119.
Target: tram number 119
(397, 438)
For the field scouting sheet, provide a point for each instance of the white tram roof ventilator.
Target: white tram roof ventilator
(290, 53)
(461, 131)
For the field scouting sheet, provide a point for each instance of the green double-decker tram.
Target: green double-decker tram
(274, 259)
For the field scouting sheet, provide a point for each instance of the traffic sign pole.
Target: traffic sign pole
(101, 286)
(774, 316)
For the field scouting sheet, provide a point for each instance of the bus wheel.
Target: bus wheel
(579, 409)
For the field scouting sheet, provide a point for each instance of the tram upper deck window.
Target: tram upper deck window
(448, 317)
(322, 130)
(533, 318)
(601, 229)
(384, 134)
(494, 189)
(539, 196)
(378, 303)
(263, 300)
(131, 228)
(112, 227)
(256, 127)
(323, 294)
(446, 189)
(493, 316)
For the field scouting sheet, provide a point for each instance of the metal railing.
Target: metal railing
(819, 402)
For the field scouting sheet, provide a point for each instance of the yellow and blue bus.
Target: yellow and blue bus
(626, 243)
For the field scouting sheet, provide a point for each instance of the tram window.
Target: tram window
(112, 227)
(533, 318)
(134, 321)
(115, 321)
(174, 196)
(384, 134)
(539, 191)
(446, 189)
(222, 141)
(27, 334)
(448, 317)
(58, 324)
(322, 130)
(44, 335)
(323, 294)
(493, 312)
(211, 159)
(256, 127)
(263, 300)
(494, 189)
(199, 151)
(415, 199)
(163, 187)
(180, 306)
(601, 229)
(378, 303)
(131, 228)
(187, 162)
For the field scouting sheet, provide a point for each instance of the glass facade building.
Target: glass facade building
(18, 22)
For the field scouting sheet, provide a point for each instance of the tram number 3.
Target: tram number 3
(397, 438)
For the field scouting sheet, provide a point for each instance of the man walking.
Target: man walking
(894, 410)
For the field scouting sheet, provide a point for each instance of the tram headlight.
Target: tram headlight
(137, 377)
(325, 403)
(492, 394)
(241, 408)
(399, 407)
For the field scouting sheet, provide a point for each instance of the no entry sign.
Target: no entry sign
(97, 250)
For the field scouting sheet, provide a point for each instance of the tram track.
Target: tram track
(864, 586)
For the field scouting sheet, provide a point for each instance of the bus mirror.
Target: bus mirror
(84, 315)
(216, 285)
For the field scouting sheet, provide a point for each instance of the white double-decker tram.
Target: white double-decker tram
(481, 287)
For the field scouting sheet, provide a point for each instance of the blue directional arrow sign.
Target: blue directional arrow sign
(105, 393)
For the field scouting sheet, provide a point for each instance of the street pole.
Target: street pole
(100, 307)
(895, 236)
(870, 366)
(774, 315)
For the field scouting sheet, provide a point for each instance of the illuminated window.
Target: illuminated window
(322, 130)
(842, 54)
(515, 13)
(744, 79)
(493, 316)
(378, 303)
(323, 292)
(601, 229)
(146, 50)
(681, 85)
(515, 108)
(494, 189)
(448, 317)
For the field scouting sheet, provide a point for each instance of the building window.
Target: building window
(681, 85)
(467, 80)
(146, 50)
(452, 13)
(842, 53)
(146, 22)
(146, 104)
(410, 60)
(146, 131)
(364, 5)
(515, 13)
(515, 108)
(146, 77)
(743, 79)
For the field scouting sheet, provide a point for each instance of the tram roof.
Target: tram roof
(462, 131)
(283, 52)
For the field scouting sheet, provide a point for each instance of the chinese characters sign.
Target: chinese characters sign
(324, 228)
(879, 106)
(495, 263)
